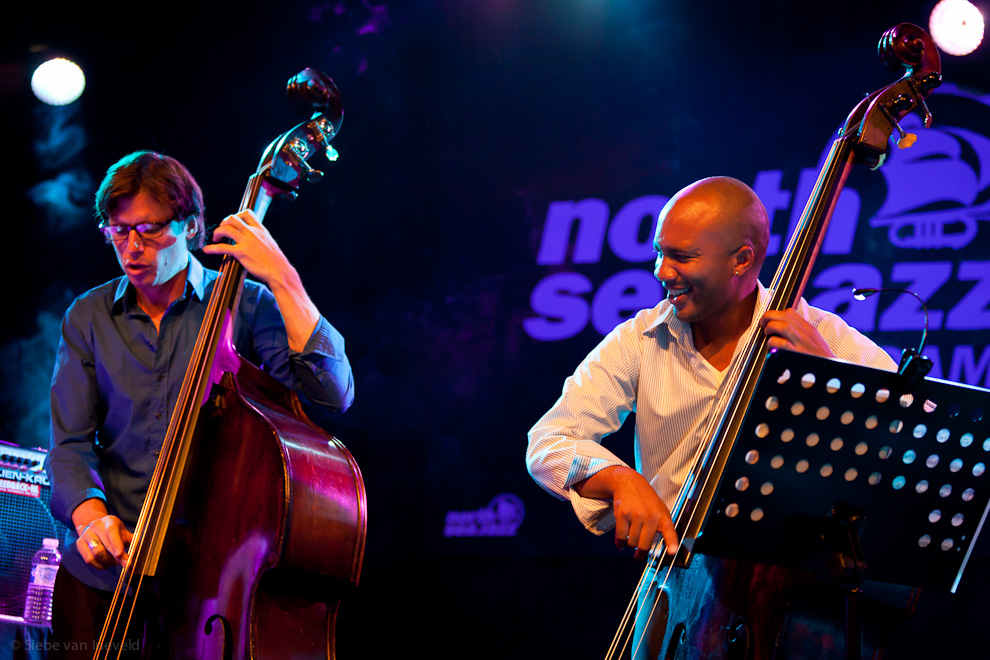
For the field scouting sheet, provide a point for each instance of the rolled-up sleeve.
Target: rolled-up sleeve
(320, 375)
(325, 360)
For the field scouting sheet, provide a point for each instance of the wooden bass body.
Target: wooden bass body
(269, 532)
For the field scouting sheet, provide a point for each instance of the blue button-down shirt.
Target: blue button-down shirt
(117, 380)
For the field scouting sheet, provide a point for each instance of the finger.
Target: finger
(238, 219)
(636, 533)
(644, 542)
(115, 544)
(787, 340)
(100, 558)
(780, 342)
(784, 318)
(621, 532)
(669, 534)
(229, 231)
(126, 537)
(646, 537)
(84, 552)
(777, 327)
(241, 224)
(248, 217)
(244, 237)
(771, 315)
(245, 221)
(222, 249)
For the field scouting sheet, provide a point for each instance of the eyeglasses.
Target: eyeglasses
(117, 233)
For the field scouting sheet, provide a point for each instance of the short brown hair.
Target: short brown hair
(164, 178)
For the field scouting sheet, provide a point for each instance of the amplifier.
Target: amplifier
(24, 522)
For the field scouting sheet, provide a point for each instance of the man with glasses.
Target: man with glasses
(123, 354)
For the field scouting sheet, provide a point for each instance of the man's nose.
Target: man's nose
(134, 241)
(663, 271)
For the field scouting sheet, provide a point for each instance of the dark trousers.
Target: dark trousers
(78, 614)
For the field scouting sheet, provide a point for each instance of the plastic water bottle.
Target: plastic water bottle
(44, 566)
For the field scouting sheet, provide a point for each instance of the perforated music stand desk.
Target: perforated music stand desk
(822, 432)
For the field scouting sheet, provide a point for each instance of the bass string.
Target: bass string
(166, 477)
(659, 551)
(116, 616)
(624, 632)
(725, 397)
(106, 646)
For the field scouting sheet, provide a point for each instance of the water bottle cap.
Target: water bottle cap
(50, 543)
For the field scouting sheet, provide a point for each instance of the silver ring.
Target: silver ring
(92, 544)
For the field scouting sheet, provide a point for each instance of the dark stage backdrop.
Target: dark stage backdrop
(490, 218)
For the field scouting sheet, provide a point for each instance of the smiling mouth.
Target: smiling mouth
(677, 295)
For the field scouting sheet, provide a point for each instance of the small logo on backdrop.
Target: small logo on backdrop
(501, 517)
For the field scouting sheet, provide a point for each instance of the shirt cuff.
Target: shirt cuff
(87, 494)
(325, 341)
(595, 514)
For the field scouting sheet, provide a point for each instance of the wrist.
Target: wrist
(87, 512)
(285, 281)
(601, 485)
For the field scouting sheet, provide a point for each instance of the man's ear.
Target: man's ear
(745, 257)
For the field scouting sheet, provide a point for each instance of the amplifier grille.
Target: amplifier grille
(24, 522)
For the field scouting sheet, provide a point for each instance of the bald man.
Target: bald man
(667, 363)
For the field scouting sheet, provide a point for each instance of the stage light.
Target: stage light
(956, 27)
(58, 82)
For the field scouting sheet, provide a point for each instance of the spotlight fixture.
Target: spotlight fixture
(956, 26)
(58, 82)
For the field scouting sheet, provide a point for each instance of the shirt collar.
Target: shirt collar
(194, 278)
(124, 296)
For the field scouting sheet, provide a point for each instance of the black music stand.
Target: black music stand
(850, 470)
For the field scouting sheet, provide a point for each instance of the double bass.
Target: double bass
(695, 606)
(254, 524)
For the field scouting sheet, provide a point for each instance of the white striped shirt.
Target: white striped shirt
(649, 365)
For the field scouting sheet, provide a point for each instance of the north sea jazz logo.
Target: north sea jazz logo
(922, 223)
(501, 517)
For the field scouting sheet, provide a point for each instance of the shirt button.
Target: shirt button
(160, 378)
(158, 415)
